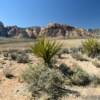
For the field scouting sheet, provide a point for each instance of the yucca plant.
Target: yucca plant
(46, 49)
(91, 47)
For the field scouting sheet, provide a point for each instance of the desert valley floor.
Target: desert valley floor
(14, 88)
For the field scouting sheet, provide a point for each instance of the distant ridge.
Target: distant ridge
(52, 30)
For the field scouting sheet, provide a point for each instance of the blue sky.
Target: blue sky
(80, 13)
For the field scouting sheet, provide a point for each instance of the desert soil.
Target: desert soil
(15, 88)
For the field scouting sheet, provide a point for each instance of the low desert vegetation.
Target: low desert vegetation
(95, 81)
(96, 63)
(91, 47)
(65, 69)
(80, 77)
(79, 57)
(75, 50)
(43, 79)
(66, 51)
(46, 49)
(75, 76)
(71, 50)
(19, 56)
(52, 79)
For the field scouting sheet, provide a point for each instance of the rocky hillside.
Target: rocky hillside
(52, 30)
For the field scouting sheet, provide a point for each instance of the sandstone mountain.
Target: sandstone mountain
(52, 30)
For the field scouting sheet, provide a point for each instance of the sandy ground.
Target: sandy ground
(19, 44)
(14, 89)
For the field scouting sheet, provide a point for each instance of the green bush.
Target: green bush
(75, 76)
(80, 77)
(46, 49)
(91, 47)
(42, 79)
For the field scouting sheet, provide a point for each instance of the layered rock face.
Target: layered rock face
(3, 30)
(56, 30)
(33, 32)
(52, 30)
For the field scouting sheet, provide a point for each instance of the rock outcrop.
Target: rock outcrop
(52, 30)
(33, 32)
(3, 30)
(56, 29)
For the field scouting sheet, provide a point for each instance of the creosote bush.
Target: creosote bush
(91, 47)
(46, 49)
(42, 79)
(80, 77)
(22, 58)
(75, 76)
(19, 56)
(65, 69)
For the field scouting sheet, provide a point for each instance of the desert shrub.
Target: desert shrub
(66, 50)
(75, 76)
(10, 53)
(95, 80)
(13, 55)
(91, 47)
(79, 56)
(96, 63)
(80, 77)
(65, 69)
(67, 72)
(42, 79)
(70, 50)
(19, 56)
(46, 49)
(22, 58)
(74, 50)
